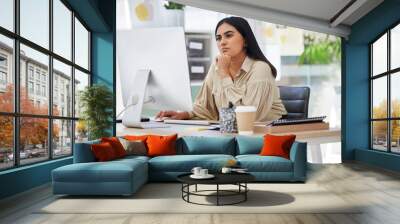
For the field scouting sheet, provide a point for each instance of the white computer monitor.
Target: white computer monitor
(153, 71)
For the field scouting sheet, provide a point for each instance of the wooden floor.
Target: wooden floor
(378, 188)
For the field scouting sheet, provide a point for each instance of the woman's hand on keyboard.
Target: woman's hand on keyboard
(170, 114)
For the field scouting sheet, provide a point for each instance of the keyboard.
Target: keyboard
(147, 125)
(187, 122)
(298, 121)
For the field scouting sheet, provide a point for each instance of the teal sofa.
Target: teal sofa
(125, 176)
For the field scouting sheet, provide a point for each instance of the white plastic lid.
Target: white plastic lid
(245, 109)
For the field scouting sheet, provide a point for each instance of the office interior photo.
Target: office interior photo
(120, 111)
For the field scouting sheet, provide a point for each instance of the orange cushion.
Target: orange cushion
(103, 151)
(161, 145)
(116, 145)
(142, 138)
(277, 145)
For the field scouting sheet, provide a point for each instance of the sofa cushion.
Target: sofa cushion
(257, 163)
(134, 147)
(111, 171)
(185, 163)
(198, 145)
(159, 145)
(133, 158)
(249, 144)
(83, 152)
(103, 152)
(116, 145)
(277, 145)
(136, 137)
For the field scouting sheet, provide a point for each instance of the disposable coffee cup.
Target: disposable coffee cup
(245, 117)
(226, 170)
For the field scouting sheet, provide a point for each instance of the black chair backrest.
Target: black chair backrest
(295, 100)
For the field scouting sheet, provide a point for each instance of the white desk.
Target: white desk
(311, 137)
(323, 146)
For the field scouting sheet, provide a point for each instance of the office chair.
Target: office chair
(295, 100)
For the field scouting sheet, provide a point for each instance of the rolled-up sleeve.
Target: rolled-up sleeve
(204, 105)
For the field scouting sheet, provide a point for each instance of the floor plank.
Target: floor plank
(376, 189)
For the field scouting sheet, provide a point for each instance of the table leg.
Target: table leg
(245, 191)
(188, 190)
(196, 188)
(217, 194)
(182, 188)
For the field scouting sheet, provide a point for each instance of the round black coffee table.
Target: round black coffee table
(238, 179)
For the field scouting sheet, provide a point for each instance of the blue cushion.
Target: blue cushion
(83, 152)
(133, 157)
(111, 171)
(197, 145)
(257, 163)
(249, 144)
(185, 163)
(118, 177)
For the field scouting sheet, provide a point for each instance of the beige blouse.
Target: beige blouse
(254, 85)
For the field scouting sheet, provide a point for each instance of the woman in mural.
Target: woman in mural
(240, 74)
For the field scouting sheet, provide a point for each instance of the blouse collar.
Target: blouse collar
(247, 63)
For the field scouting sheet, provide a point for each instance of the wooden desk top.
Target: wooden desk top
(311, 137)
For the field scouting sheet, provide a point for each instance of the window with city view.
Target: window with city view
(385, 95)
(43, 69)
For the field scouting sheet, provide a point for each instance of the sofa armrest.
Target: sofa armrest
(83, 152)
(298, 155)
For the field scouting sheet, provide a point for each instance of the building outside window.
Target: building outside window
(55, 97)
(37, 74)
(3, 72)
(3, 60)
(30, 72)
(3, 78)
(43, 90)
(38, 89)
(30, 87)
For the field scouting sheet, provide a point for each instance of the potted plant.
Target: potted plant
(174, 14)
(96, 102)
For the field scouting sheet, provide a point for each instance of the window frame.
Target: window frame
(15, 71)
(388, 74)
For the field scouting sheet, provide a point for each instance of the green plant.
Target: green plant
(96, 102)
(320, 51)
(173, 5)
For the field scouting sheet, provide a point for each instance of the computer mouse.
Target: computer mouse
(160, 119)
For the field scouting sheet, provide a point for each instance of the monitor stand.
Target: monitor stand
(133, 110)
(134, 104)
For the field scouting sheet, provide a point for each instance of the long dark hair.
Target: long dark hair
(252, 49)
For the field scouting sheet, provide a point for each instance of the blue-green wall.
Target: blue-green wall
(24, 178)
(356, 85)
(103, 62)
(102, 58)
(99, 16)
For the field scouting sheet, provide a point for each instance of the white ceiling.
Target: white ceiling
(321, 9)
(316, 15)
